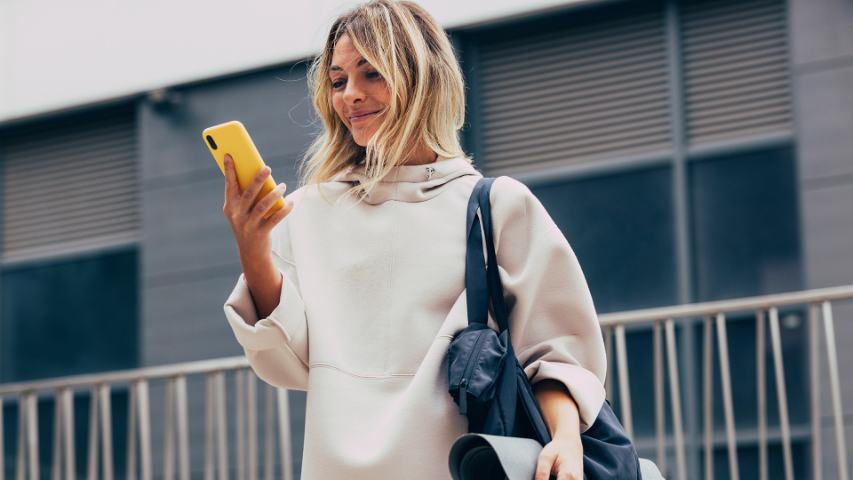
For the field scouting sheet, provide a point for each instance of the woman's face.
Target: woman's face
(358, 91)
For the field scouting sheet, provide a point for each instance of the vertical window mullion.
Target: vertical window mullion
(677, 104)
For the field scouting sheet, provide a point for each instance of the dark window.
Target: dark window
(745, 225)
(70, 317)
(621, 228)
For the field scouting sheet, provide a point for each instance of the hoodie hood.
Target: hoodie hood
(410, 183)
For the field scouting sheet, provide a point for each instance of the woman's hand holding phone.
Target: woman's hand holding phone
(252, 232)
(246, 214)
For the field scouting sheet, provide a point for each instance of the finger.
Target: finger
(544, 466)
(263, 206)
(279, 215)
(232, 188)
(251, 193)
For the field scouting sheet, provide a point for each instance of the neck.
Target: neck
(420, 156)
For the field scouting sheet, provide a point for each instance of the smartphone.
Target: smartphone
(233, 138)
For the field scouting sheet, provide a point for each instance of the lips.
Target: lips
(359, 115)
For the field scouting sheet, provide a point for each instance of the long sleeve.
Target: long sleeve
(553, 324)
(276, 346)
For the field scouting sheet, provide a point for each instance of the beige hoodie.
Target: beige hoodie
(372, 295)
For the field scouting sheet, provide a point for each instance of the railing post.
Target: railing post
(56, 467)
(251, 389)
(209, 414)
(608, 354)
(240, 427)
(221, 434)
(20, 465)
(781, 393)
(284, 433)
(761, 387)
(624, 382)
(660, 420)
(131, 433)
(728, 408)
(268, 432)
(169, 431)
(106, 431)
(675, 395)
(144, 430)
(32, 435)
(835, 388)
(814, 399)
(67, 398)
(183, 427)
(708, 396)
(2, 446)
(92, 466)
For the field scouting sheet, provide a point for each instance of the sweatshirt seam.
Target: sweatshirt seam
(359, 375)
(281, 257)
(390, 313)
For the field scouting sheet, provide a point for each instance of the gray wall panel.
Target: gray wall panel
(821, 40)
(828, 230)
(825, 103)
(186, 231)
(185, 319)
(824, 30)
(274, 106)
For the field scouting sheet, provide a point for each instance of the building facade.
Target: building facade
(688, 150)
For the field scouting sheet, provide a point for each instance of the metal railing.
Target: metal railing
(714, 316)
(175, 438)
(663, 322)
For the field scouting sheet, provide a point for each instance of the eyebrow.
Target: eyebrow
(336, 68)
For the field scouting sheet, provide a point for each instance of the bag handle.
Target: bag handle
(482, 279)
(476, 284)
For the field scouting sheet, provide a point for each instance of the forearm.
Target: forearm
(558, 408)
(264, 281)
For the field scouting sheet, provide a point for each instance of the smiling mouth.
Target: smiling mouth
(363, 116)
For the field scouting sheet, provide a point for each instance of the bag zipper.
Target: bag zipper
(463, 385)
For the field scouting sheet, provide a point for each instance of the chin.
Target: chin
(360, 140)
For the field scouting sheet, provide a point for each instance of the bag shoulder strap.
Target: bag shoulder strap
(482, 279)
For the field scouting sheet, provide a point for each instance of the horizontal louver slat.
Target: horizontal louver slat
(554, 159)
(595, 93)
(573, 95)
(580, 143)
(91, 178)
(581, 36)
(735, 69)
(81, 201)
(69, 184)
(590, 117)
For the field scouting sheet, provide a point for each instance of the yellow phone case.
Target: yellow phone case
(233, 138)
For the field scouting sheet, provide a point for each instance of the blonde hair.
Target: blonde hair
(413, 54)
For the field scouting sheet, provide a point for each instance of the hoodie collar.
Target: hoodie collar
(410, 183)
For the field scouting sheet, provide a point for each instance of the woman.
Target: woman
(355, 288)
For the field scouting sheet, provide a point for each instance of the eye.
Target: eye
(373, 74)
(337, 84)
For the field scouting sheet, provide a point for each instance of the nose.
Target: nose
(353, 92)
